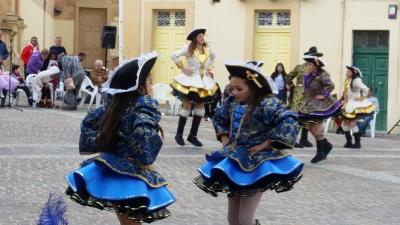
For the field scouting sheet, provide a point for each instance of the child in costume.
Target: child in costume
(253, 127)
(126, 134)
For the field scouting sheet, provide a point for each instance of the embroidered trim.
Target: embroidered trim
(132, 175)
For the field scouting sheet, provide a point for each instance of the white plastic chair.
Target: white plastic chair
(15, 100)
(161, 93)
(31, 81)
(35, 93)
(372, 125)
(86, 92)
(60, 90)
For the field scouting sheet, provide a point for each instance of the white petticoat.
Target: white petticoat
(195, 80)
(352, 105)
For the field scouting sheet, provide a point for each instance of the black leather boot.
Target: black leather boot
(357, 140)
(192, 138)
(320, 152)
(327, 147)
(179, 132)
(304, 138)
(339, 130)
(3, 102)
(258, 222)
(298, 145)
(348, 140)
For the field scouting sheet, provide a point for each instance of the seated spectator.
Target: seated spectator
(7, 82)
(99, 75)
(364, 121)
(16, 73)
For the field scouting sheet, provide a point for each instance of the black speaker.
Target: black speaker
(108, 37)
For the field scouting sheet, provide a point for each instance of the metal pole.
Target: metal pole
(120, 31)
(44, 23)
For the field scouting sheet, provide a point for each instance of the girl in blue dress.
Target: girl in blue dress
(254, 128)
(126, 134)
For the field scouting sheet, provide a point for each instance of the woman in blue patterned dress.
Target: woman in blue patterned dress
(125, 133)
(254, 128)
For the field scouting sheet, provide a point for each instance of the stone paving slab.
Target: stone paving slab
(359, 187)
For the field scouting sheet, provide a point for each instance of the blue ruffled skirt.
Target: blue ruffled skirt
(96, 185)
(228, 177)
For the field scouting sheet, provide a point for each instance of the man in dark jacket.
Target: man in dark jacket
(3, 49)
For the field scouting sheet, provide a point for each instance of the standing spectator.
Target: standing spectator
(99, 75)
(36, 61)
(3, 49)
(81, 56)
(58, 48)
(51, 60)
(278, 76)
(28, 51)
(71, 68)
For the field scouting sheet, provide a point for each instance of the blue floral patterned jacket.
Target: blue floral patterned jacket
(139, 142)
(269, 120)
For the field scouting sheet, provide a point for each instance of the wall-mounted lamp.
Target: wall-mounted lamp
(392, 12)
(57, 11)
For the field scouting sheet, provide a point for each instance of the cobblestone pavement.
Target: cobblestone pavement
(38, 147)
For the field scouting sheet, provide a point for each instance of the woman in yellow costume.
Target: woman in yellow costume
(194, 86)
(355, 105)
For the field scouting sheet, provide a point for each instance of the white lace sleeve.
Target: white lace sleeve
(179, 53)
(211, 60)
(363, 88)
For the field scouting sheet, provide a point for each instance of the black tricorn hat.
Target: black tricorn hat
(313, 51)
(251, 71)
(125, 77)
(193, 34)
(314, 59)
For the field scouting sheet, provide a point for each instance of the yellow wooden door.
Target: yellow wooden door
(272, 39)
(168, 36)
(91, 22)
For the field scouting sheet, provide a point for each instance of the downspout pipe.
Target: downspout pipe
(121, 31)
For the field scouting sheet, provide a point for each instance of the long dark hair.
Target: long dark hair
(276, 72)
(109, 123)
(256, 96)
(192, 46)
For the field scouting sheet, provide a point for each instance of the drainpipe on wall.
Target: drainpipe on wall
(120, 31)
(343, 29)
(44, 23)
